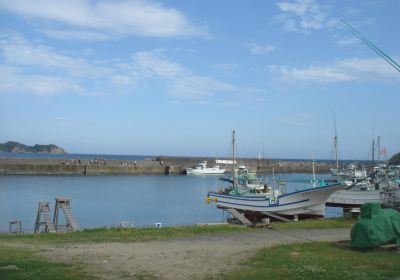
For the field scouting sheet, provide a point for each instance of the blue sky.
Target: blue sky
(176, 77)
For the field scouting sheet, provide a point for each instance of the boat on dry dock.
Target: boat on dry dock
(256, 203)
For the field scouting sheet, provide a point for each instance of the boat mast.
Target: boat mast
(336, 149)
(233, 157)
(379, 151)
(273, 181)
(313, 171)
(373, 151)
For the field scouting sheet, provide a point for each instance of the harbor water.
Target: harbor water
(105, 201)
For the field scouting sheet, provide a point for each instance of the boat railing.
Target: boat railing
(321, 182)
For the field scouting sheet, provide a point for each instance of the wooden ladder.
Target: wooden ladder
(44, 209)
(65, 205)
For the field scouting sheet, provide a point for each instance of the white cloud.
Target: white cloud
(345, 40)
(122, 18)
(303, 15)
(198, 87)
(354, 69)
(299, 119)
(76, 34)
(40, 70)
(152, 64)
(318, 74)
(18, 51)
(181, 82)
(257, 49)
(38, 85)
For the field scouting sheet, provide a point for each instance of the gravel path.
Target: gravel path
(195, 257)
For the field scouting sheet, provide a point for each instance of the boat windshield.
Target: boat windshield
(252, 181)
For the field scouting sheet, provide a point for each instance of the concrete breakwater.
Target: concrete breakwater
(157, 165)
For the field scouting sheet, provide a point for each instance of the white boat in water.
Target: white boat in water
(268, 201)
(202, 169)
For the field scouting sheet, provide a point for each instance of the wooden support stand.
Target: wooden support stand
(239, 216)
(44, 210)
(65, 205)
(17, 227)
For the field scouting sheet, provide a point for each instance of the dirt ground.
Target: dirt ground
(196, 257)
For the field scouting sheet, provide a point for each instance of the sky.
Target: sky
(176, 77)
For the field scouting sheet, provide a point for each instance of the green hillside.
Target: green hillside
(15, 147)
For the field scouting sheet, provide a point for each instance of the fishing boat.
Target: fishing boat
(381, 179)
(256, 203)
(371, 190)
(202, 169)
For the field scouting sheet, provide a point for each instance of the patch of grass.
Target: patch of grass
(121, 235)
(145, 276)
(319, 260)
(316, 224)
(17, 263)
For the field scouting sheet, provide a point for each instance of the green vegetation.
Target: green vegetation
(17, 263)
(316, 224)
(121, 235)
(395, 159)
(12, 146)
(319, 260)
(145, 234)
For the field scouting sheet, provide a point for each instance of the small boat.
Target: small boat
(253, 202)
(202, 169)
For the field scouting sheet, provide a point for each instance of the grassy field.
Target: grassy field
(145, 234)
(122, 235)
(21, 264)
(316, 224)
(319, 260)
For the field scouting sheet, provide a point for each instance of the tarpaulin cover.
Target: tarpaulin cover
(375, 227)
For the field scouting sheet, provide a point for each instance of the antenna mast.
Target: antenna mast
(233, 157)
(336, 146)
(370, 45)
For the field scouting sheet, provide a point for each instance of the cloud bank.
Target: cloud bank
(104, 19)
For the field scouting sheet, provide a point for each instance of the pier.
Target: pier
(158, 165)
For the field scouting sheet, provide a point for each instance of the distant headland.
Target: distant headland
(15, 147)
(395, 159)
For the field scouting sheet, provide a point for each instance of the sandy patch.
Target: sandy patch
(196, 257)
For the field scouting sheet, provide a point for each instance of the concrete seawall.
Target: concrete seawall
(57, 169)
(164, 165)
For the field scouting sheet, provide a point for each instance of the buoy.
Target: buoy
(208, 200)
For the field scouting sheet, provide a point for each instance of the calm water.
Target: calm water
(98, 201)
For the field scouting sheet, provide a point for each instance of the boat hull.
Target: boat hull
(353, 198)
(209, 171)
(310, 201)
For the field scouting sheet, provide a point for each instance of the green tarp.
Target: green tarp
(375, 227)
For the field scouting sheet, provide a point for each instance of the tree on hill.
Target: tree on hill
(395, 159)
(16, 147)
